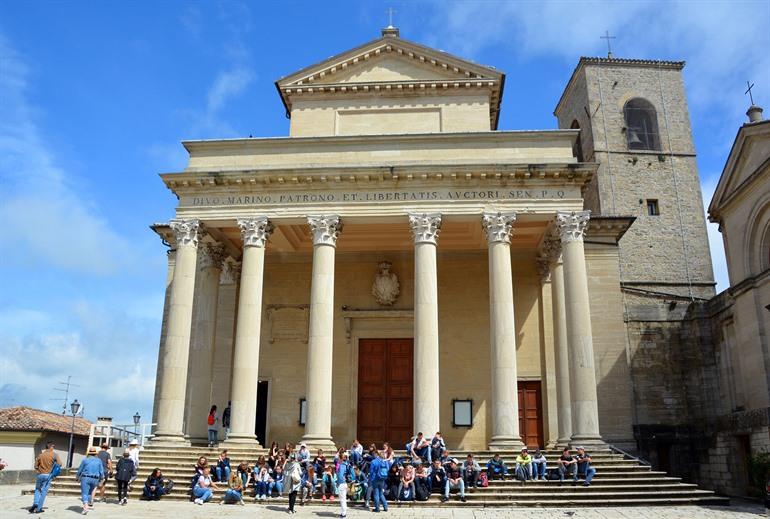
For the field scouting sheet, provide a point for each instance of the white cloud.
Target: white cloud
(44, 216)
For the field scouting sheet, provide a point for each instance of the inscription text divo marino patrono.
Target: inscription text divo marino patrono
(378, 196)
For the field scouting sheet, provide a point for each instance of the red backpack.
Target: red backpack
(211, 419)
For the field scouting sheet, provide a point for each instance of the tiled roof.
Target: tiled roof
(630, 61)
(23, 418)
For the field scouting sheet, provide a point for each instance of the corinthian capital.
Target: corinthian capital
(255, 230)
(325, 229)
(211, 255)
(498, 226)
(186, 232)
(425, 227)
(572, 225)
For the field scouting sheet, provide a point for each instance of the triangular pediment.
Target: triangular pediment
(748, 157)
(389, 59)
(391, 64)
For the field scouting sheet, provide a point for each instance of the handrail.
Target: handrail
(628, 456)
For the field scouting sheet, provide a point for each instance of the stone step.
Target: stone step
(510, 499)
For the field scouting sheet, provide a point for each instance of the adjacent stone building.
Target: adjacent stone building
(399, 264)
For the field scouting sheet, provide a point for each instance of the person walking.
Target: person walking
(88, 475)
(124, 472)
(212, 421)
(47, 466)
(293, 480)
(343, 475)
(106, 459)
(133, 453)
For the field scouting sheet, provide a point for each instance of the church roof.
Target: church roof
(392, 65)
(744, 165)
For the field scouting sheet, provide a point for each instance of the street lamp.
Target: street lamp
(137, 418)
(74, 407)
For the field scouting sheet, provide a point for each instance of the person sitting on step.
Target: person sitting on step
(437, 446)
(454, 479)
(277, 481)
(496, 468)
(406, 484)
(437, 477)
(538, 465)
(584, 467)
(203, 489)
(223, 467)
(156, 486)
(471, 471)
(328, 483)
(234, 493)
(262, 482)
(419, 448)
(566, 464)
(524, 465)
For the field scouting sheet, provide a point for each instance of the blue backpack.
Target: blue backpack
(382, 468)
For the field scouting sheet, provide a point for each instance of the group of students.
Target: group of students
(372, 476)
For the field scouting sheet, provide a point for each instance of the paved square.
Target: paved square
(14, 505)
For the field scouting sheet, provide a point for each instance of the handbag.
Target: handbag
(56, 468)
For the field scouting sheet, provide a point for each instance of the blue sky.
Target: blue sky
(95, 97)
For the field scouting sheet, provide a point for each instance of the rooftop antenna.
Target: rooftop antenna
(609, 46)
(66, 390)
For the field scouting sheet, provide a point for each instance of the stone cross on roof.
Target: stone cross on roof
(608, 38)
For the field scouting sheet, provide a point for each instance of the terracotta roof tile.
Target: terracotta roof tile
(23, 418)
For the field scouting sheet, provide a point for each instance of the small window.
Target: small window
(577, 148)
(641, 125)
(302, 411)
(462, 413)
(652, 208)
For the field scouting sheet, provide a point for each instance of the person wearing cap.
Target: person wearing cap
(133, 453)
(124, 472)
(303, 455)
(524, 465)
(88, 475)
(538, 465)
(584, 467)
(293, 479)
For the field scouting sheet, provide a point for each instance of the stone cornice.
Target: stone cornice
(577, 173)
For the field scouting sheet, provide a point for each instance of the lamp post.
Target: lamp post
(137, 418)
(74, 407)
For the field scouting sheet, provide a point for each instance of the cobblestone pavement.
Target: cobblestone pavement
(13, 505)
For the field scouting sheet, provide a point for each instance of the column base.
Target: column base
(590, 443)
(505, 443)
(315, 442)
(169, 440)
(562, 442)
(241, 440)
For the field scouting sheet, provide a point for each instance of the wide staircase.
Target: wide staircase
(618, 482)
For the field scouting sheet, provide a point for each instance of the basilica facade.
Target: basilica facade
(399, 264)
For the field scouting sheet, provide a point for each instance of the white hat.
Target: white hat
(134, 442)
(303, 444)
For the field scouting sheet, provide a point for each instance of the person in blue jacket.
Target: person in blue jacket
(378, 476)
(90, 472)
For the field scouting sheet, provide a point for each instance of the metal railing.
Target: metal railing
(119, 436)
(627, 456)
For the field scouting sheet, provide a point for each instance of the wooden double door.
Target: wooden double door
(385, 388)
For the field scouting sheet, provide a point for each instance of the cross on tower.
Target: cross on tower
(390, 12)
(748, 91)
(608, 38)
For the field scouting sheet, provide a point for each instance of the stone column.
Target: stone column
(176, 349)
(427, 402)
(582, 374)
(222, 368)
(564, 405)
(318, 431)
(502, 334)
(243, 411)
(210, 258)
